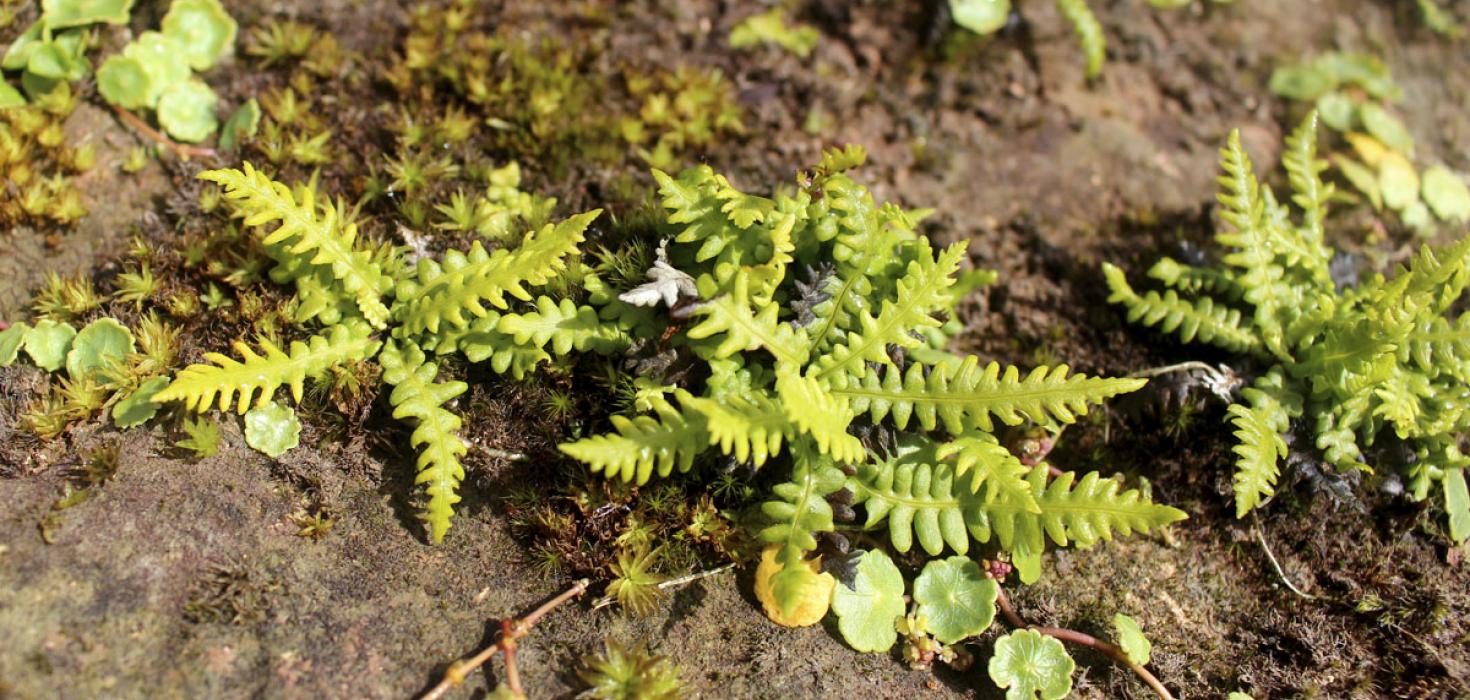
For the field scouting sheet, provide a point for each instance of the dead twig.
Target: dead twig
(510, 631)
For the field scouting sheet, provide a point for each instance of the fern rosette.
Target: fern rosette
(822, 316)
(1372, 363)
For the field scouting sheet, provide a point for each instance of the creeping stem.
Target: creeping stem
(1107, 648)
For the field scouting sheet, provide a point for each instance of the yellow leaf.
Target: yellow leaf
(816, 594)
(1370, 150)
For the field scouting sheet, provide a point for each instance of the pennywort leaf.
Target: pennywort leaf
(868, 610)
(1030, 665)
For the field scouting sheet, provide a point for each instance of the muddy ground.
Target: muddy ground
(187, 579)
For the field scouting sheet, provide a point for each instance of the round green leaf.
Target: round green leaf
(50, 60)
(203, 28)
(1337, 111)
(241, 125)
(1304, 82)
(1028, 664)
(1446, 193)
(1131, 639)
(138, 408)
(48, 342)
(186, 111)
(1386, 128)
(10, 340)
(980, 16)
(867, 612)
(162, 59)
(59, 14)
(956, 598)
(272, 429)
(10, 97)
(1416, 216)
(103, 342)
(19, 53)
(123, 82)
(1398, 181)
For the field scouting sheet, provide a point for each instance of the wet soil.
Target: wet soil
(183, 578)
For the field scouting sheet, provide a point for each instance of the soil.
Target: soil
(184, 578)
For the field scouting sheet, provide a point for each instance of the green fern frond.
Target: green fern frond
(1259, 424)
(1190, 279)
(799, 512)
(1219, 325)
(965, 397)
(744, 427)
(1089, 33)
(566, 326)
(444, 293)
(921, 292)
(746, 330)
(417, 397)
(818, 414)
(483, 341)
(256, 376)
(1304, 172)
(921, 499)
(693, 204)
(1082, 512)
(307, 227)
(643, 445)
(1253, 255)
(1437, 345)
(999, 471)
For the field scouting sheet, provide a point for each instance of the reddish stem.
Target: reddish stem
(510, 631)
(1106, 648)
(182, 150)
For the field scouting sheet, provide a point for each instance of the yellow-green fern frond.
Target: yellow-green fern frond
(819, 415)
(963, 396)
(746, 428)
(1089, 33)
(799, 511)
(308, 228)
(921, 292)
(643, 445)
(745, 329)
(565, 326)
(456, 291)
(1203, 319)
(417, 397)
(256, 376)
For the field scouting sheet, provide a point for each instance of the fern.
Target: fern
(307, 228)
(442, 294)
(643, 445)
(1202, 318)
(1377, 359)
(822, 312)
(1089, 33)
(933, 502)
(255, 377)
(418, 397)
(800, 511)
(962, 396)
(437, 307)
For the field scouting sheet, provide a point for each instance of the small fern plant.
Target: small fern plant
(365, 302)
(1363, 365)
(814, 317)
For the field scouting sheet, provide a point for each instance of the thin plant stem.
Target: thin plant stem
(1106, 648)
(510, 631)
(182, 150)
(1280, 573)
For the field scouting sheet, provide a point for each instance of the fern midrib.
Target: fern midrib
(837, 305)
(884, 330)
